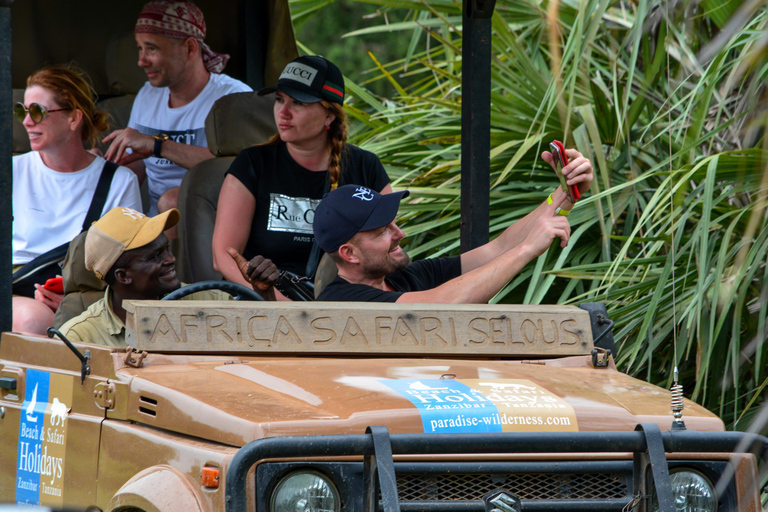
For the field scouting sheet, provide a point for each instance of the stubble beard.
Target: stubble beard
(388, 265)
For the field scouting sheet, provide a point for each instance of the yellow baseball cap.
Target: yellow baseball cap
(120, 230)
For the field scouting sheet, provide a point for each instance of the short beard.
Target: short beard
(382, 268)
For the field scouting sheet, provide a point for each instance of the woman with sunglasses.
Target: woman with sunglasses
(270, 192)
(53, 184)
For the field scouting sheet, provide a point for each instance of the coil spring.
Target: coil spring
(677, 400)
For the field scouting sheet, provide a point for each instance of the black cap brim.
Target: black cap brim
(293, 93)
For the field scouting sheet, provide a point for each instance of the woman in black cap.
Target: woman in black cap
(267, 202)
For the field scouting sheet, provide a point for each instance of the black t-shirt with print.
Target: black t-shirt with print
(418, 276)
(287, 195)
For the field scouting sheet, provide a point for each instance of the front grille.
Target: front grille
(540, 486)
(440, 484)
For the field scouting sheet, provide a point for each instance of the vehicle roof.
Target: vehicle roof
(55, 32)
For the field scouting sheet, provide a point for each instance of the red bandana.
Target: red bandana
(179, 19)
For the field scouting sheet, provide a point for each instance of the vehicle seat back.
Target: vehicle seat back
(234, 123)
(81, 286)
(124, 76)
(326, 272)
(124, 79)
(118, 110)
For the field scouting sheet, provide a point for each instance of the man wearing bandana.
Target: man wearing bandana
(166, 132)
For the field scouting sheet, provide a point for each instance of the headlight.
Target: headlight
(691, 491)
(305, 491)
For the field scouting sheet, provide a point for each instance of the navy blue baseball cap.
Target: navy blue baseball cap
(350, 209)
(310, 79)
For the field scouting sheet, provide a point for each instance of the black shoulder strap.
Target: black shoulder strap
(100, 195)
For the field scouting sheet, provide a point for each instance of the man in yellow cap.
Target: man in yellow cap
(129, 251)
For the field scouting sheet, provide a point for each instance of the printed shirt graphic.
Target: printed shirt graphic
(151, 115)
(291, 214)
(485, 405)
(42, 439)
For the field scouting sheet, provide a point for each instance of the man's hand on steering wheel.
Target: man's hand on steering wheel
(260, 272)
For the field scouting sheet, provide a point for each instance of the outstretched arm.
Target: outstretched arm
(578, 171)
(480, 284)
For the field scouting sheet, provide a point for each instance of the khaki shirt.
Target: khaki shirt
(100, 325)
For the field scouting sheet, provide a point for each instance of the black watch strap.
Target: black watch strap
(159, 139)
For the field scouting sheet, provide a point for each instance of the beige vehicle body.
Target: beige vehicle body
(222, 400)
(395, 408)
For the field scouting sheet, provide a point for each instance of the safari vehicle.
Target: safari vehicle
(335, 407)
(310, 407)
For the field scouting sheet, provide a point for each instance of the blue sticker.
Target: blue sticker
(31, 431)
(448, 406)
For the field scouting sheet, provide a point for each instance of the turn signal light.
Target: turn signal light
(210, 477)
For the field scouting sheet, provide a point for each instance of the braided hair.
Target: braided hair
(337, 135)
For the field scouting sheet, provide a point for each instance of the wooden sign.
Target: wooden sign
(357, 328)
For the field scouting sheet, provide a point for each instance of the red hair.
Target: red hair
(72, 90)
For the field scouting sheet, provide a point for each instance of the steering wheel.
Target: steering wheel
(236, 290)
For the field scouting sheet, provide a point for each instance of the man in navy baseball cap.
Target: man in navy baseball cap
(356, 227)
(352, 209)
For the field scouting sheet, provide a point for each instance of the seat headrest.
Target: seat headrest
(238, 121)
(124, 76)
(118, 110)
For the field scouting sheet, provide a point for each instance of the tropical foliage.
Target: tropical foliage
(311, 21)
(668, 101)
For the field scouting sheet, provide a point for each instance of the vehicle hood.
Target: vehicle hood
(237, 401)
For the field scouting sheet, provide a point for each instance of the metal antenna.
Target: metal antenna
(676, 389)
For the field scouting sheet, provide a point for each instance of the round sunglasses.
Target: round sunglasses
(36, 112)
